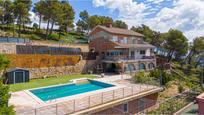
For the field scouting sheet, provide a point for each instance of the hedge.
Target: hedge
(42, 60)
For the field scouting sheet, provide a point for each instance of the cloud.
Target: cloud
(35, 19)
(185, 15)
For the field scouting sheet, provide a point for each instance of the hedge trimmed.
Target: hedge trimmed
(42, 60)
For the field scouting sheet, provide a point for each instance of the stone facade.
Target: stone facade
(7, 48)
(82, 67)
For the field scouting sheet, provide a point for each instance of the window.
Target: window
(134, 41)
(125, 107)
(151, 66)
(142, 52)
(115, 39)
(114, 53)
(125, 40)
(141, 104)
(142, 66)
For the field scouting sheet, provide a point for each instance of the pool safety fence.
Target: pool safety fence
(83, 103)
(14, 40)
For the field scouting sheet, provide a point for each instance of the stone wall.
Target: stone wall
(82, 67)
(7, 48)
(10, 48)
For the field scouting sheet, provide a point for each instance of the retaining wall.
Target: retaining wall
(82, 67)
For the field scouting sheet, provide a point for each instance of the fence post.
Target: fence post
(132, 89)
(140, 87)
(89, 101)
(74, 105)
(102, 97)
(56, 109)
(123, 92)
(113, 94)
(35, 111)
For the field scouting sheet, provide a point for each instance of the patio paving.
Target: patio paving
(26, 104)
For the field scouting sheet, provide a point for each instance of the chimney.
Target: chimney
(109, 25)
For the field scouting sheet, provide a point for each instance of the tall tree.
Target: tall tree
(52, 11)
(56, 13)
(99, 20)
(83, 22)
(120, 24)
(176, 43)
(21, 12)
(151, 36)
(39, 10)
(68, 16)
(196, 47)
(6, 12)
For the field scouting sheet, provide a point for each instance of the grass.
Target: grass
(46, 82)
(34, 34)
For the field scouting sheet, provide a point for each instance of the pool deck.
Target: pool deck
(26, 103)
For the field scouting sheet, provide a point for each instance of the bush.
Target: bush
(165, 76)
(140, 77)
(35, 37)
(155, 74)
(181, 88)
(4, 62)
(4, 97)
(42, 60)
(53, 37)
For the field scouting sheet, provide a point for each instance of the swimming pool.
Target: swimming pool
(50, 93)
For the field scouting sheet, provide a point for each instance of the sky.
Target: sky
(160, 15)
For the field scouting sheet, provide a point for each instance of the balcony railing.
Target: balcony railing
(127, 58)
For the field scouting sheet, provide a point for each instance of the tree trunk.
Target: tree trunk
(24, 26)
(48, 23)
(40, 21)
(59, 35)
(13, 28)
(170, 56)
(19, 28)
(51, 28)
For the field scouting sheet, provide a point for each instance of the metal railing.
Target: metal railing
(14, 40)
(127, 58)
(82, 103)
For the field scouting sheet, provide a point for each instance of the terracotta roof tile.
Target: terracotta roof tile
(114, 30)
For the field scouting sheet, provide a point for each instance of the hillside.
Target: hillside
(40, 35)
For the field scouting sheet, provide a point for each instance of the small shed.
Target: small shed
(17, 75)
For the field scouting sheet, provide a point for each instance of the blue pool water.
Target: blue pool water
(60, 91)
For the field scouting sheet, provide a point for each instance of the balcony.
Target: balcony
(119, 59)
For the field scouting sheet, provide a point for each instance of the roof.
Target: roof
(17, 68)
(114, 30)
(144, 45)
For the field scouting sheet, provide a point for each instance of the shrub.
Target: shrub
(53, 37)
(4, 62)
(166, 77)
(140, 77)
(155, 74)
(4, 97)
(180, 88)
(42, 60)
(35, 37)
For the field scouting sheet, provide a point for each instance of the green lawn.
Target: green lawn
(46, 82)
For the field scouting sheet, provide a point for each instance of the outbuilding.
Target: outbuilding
(17, 75)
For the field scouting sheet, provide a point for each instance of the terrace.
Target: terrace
(124, 89)
(114, 59)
